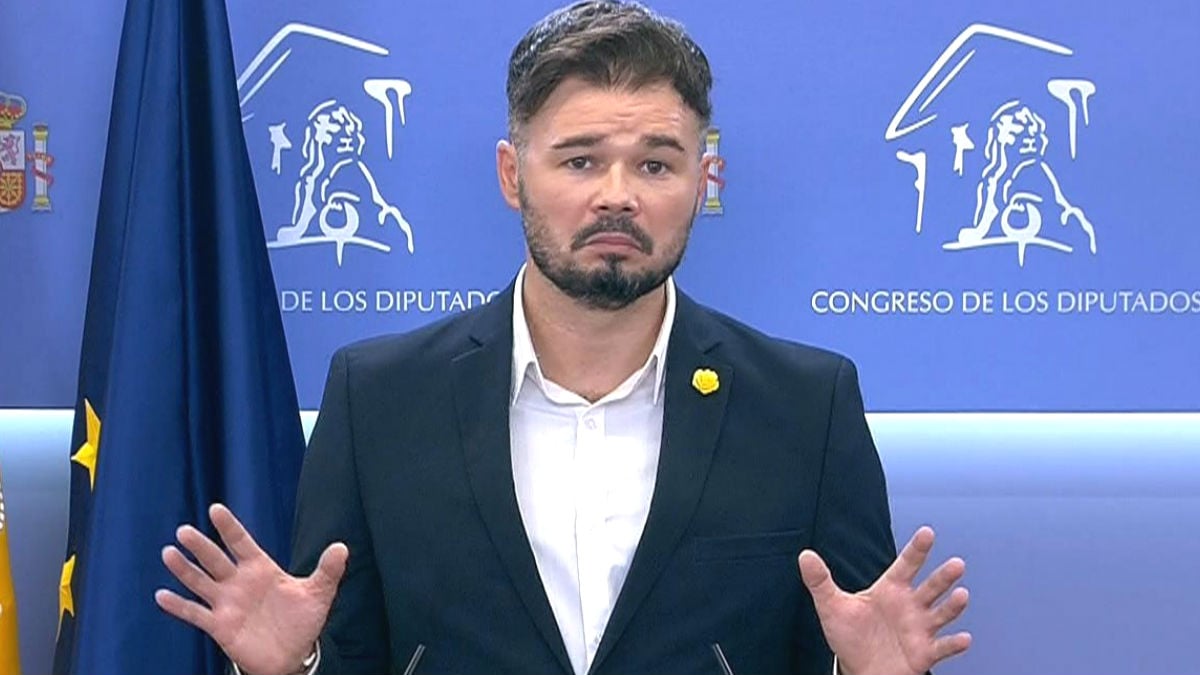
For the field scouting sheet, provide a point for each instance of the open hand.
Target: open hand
(264, 619)
(891, 628)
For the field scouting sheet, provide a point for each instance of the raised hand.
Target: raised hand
(264, 619)
(891, 628)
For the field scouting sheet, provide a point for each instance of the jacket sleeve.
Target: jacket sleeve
(852, 528)
(329, 509)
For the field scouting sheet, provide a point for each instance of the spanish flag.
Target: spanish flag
(10, 660)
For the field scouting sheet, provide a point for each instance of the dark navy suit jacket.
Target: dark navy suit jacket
(409, 465)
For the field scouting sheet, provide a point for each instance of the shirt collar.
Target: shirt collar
(524, 356)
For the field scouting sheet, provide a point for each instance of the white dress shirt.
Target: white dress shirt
(584, 475)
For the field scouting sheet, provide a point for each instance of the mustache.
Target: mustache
(617, 225)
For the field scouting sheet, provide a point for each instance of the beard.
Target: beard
(612, 286)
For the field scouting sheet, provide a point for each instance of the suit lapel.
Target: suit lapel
(691, 424)
(482, 377)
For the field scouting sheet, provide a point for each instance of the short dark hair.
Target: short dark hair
(607, 43)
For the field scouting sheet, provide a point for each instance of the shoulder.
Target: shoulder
(421, 344)
(417, 354)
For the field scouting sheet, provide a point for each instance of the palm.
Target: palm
(890, 628)
(264, 619)
(866, 620)
(269, 612)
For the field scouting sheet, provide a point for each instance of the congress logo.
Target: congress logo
(19, 161)
(330, 190)
(1001, 144)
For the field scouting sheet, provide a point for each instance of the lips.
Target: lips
(613, 239)
(613, 233)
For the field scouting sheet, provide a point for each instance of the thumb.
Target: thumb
(330, 568)
(817, 578)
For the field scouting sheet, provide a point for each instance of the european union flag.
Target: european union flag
(186, 395)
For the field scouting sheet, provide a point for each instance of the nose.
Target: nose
(616, 194)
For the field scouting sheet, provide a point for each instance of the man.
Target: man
(593, 473)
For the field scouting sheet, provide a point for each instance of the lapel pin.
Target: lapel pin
(705, 381)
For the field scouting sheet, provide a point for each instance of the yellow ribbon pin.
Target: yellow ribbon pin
(706, 381)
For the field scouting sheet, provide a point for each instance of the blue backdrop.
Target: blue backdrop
(987, 207)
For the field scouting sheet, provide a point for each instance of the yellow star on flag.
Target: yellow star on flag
(86, 455)
(66, 600)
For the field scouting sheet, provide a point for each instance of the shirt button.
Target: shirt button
(590, 423)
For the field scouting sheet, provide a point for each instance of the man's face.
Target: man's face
(608, 182)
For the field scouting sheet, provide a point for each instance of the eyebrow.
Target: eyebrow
(652, 141)
(663, 141)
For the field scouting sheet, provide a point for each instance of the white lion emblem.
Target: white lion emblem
(333, 143)
(1017, 141)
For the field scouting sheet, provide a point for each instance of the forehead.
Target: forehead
(580, 107)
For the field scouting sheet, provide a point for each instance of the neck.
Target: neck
(586, 350)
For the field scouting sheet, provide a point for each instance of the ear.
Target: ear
(507, 171)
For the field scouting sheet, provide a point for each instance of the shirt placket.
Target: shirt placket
(590, 516)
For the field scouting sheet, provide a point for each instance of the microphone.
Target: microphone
(724, 663)
(416, 658)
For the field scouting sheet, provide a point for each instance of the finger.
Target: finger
(950, 645)
(942, 579)
(951, 609)
(330, 568)
(189, 575)
(234, 534)
(186, 610)
(912, 558)
(207, 553)
(817, 578)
